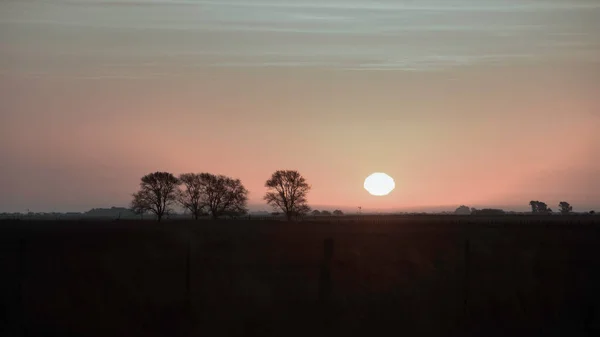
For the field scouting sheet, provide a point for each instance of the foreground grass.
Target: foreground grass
(419, 275)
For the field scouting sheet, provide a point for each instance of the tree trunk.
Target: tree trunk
(159, 216)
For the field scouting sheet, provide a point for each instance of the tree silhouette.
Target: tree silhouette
(327, 213)
(191, 195)
(222, 195)
(463, 210)
(316, 212)
(592, 212)
(565, 207)
(158, 191)
(539, 207)
(338, 212)
(534, 206)
(287, 190)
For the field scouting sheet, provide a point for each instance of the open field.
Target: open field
(402, 275)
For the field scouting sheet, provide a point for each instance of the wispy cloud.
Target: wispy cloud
(348, 34)
(435, 5)
(85, 76)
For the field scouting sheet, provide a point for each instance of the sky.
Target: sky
(488, 103)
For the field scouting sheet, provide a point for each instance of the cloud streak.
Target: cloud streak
(337, 34)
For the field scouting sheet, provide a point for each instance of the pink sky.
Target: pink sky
(456, 115)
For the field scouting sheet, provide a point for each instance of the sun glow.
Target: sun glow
(379, 184)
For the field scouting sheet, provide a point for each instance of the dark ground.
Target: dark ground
(404, 275)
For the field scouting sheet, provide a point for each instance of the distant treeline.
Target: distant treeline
(537, 207)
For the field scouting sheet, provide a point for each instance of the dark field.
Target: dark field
(401, 276)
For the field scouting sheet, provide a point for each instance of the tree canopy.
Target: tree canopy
(223, 195)
(565, 207)
(157, 194)
(287, 190)
(539, 207)
(463, 210)
(190, 196)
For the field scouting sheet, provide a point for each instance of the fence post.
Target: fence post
(325, 285)
(188, 278)
(466, 286)
(21, 290)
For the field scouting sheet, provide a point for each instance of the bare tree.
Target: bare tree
(287, 190)
(158, 192)
(565, 207)
(190, 196)
(222, 195)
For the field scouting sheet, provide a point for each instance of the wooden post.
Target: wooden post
(325, 285)
(21, 290)
(188, 277)
(466, 286)
(328, 249)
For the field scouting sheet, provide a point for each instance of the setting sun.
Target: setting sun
(379, 184)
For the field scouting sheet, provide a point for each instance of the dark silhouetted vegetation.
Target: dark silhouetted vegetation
(539, 207)
(191, 194)
(287, 190)
(202, 193)
(157, 194)
(338, 212)
(463, 210)
(489, 211)
(565, 207)
(223, 195)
